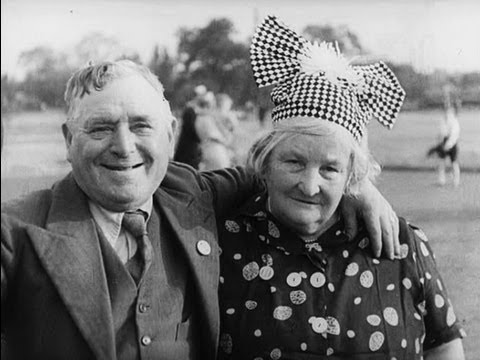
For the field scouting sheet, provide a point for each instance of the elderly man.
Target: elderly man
(119, 260)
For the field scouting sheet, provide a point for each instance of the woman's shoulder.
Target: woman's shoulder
(411, 234)
(415, 248)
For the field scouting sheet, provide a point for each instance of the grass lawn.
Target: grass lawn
(450, 218)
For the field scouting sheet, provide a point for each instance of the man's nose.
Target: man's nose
(310, 182)
(123, 141)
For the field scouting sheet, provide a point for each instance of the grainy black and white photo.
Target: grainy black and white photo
(240, 179)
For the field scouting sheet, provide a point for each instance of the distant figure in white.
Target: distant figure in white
(216, 125)
(449, 135)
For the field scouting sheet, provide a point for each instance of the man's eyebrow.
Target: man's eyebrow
(99, 119)
(137, 118)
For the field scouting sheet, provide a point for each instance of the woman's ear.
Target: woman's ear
(350, 182)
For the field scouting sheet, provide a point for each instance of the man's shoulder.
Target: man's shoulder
(31, 208)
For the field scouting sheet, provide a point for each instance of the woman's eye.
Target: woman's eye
(329, 171)
(294, 164)
(292, 161)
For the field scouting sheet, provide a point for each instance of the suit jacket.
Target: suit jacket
(55, 301)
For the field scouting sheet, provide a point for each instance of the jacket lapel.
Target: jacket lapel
(191, 221)
(70, 252)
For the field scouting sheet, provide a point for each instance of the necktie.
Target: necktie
(134, 223)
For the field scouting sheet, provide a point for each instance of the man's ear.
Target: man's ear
(174, 125)
(67, 136)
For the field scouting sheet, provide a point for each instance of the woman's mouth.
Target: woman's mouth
(307, 201)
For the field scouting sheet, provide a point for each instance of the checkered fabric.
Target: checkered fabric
(274, 55)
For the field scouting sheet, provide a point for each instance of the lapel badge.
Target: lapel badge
(203, 248)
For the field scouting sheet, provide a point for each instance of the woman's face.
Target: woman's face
(306, 179)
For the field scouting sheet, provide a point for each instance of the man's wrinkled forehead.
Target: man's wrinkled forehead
(129, 91)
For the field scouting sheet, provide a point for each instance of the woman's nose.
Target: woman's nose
(310, 182)
(123, 141)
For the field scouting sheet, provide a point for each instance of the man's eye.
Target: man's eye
(99, 129)
(140, 126)
(331, 169)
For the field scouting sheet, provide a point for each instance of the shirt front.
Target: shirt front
(282, 298)
(110, 223)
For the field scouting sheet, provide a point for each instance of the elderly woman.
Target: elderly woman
(292, 285)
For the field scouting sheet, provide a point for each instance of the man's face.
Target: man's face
(120, 142)
(306, 179)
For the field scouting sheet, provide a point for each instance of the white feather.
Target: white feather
(326, 60)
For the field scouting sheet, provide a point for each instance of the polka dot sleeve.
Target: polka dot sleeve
(441, 324)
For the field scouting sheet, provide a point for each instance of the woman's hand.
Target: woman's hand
(378, 216)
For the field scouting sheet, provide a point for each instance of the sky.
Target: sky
(429, 34)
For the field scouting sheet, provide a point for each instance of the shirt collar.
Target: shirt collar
(110, 222)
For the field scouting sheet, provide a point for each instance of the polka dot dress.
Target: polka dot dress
(282, 298)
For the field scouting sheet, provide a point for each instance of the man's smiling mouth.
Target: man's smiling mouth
(122, 167)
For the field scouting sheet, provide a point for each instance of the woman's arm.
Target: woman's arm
(452, 350)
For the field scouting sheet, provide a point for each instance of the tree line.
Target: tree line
(210, 56)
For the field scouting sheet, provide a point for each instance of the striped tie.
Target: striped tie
(134, 223)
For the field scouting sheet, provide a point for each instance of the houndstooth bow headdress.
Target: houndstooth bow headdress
(317, 81)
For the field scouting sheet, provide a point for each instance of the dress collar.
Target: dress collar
(275, 234)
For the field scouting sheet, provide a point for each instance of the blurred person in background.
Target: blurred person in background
(447, 149)
(227, 116)
(293, 285)
(188, 143)
(215, 127)
(119, 260)
(228, 124)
